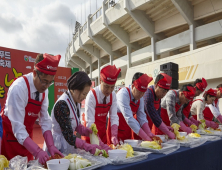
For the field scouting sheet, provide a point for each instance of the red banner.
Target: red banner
(60, 84)
(13, 64)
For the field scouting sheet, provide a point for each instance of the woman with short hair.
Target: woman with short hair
(199, 105)
(200, 85)
(66, 116)
(212, 111)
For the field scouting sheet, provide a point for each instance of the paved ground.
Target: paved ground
(37, 135)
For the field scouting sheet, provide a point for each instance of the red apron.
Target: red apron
(156, 105)
(101, 112)
(207, 112)
(186, 110)
(165, 117)
(10, 146)
(124, 131)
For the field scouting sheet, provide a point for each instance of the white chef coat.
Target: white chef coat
(197, 108)
(214, 108)
(90, 105)
(17, 99)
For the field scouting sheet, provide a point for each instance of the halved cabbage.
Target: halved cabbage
(151, 144)
(77, 162)
(194, 128)
(194, 135)
(176, 128)
(3, 162)
(104, 153)
(93, 137)
(202, 126)
(129, 150)
(208, 131)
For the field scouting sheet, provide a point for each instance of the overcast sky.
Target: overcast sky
(42, 26)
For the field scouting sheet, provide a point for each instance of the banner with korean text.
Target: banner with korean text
(13, 64)
(60, 81)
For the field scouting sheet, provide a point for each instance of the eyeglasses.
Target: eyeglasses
(44, 83)
(164, 90)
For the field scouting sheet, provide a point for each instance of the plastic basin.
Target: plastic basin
(58, 164)
(131, 142)
(183, 133)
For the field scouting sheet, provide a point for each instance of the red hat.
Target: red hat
(49, 64)
(142, 82)
(212, 92)
(165, 82)
(202, 85)
(191, 93)
(109, 74)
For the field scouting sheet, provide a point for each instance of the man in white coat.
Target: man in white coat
(102, 100)
(27, 100)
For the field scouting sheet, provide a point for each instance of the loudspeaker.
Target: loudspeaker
(174, 84)
(171, 69)
(173, 74)
(169, 66)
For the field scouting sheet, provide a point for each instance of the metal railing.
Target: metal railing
(97, 14)
(75, 36)
(83, 28)
(93, 17)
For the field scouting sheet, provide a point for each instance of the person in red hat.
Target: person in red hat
(100, 101)
(212, 111)
(130, 103)
(152, 101)
(27, 100)
(200, 85)
(199, 105)
(172, 104)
